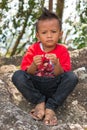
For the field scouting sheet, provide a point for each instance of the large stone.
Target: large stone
(14, 109)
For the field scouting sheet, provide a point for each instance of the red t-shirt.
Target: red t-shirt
(35, 49)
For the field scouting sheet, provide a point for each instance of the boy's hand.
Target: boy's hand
(37, 60)
(57, 67)
(53, 58)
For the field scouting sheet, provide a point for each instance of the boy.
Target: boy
(45, 77)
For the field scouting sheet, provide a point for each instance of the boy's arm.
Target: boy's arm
(37, 60)
(32, 68)
(57, 68)
(60, 65)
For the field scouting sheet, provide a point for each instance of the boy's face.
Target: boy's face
(48, 32)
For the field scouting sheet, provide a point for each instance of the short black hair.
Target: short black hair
(46, 14)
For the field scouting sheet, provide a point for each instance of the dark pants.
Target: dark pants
(37, 89)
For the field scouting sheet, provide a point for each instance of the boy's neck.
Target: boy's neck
(47, 49)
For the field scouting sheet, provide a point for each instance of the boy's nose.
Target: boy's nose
(49, 34)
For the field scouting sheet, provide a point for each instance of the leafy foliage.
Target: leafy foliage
(79, 25)
(17, 23)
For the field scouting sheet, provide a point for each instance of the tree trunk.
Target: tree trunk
(59, 8)
(21, 33)
(50, 5)
(19, 38)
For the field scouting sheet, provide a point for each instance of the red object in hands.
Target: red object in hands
(46, 68)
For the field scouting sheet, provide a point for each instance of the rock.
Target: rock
(81, 73)
(15, 60)
(8, 68)
(75, 102)
(79, 58)
(14, 109)
(75, 127)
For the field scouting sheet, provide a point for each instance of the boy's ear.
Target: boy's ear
(37, 36)
(60, 35)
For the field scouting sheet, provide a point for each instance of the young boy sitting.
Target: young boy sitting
(45, 78)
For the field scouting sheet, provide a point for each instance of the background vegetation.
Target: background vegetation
(17, 24)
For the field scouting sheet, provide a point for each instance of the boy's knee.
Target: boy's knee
(72, 76)
(18, 75)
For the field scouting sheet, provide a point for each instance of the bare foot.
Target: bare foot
(38, 112)
(50, 118)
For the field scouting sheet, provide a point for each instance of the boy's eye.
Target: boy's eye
(44, 32)
(53, 31)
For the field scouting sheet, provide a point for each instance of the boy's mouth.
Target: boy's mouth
(49, 41)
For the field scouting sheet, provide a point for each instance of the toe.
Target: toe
(50, 118)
